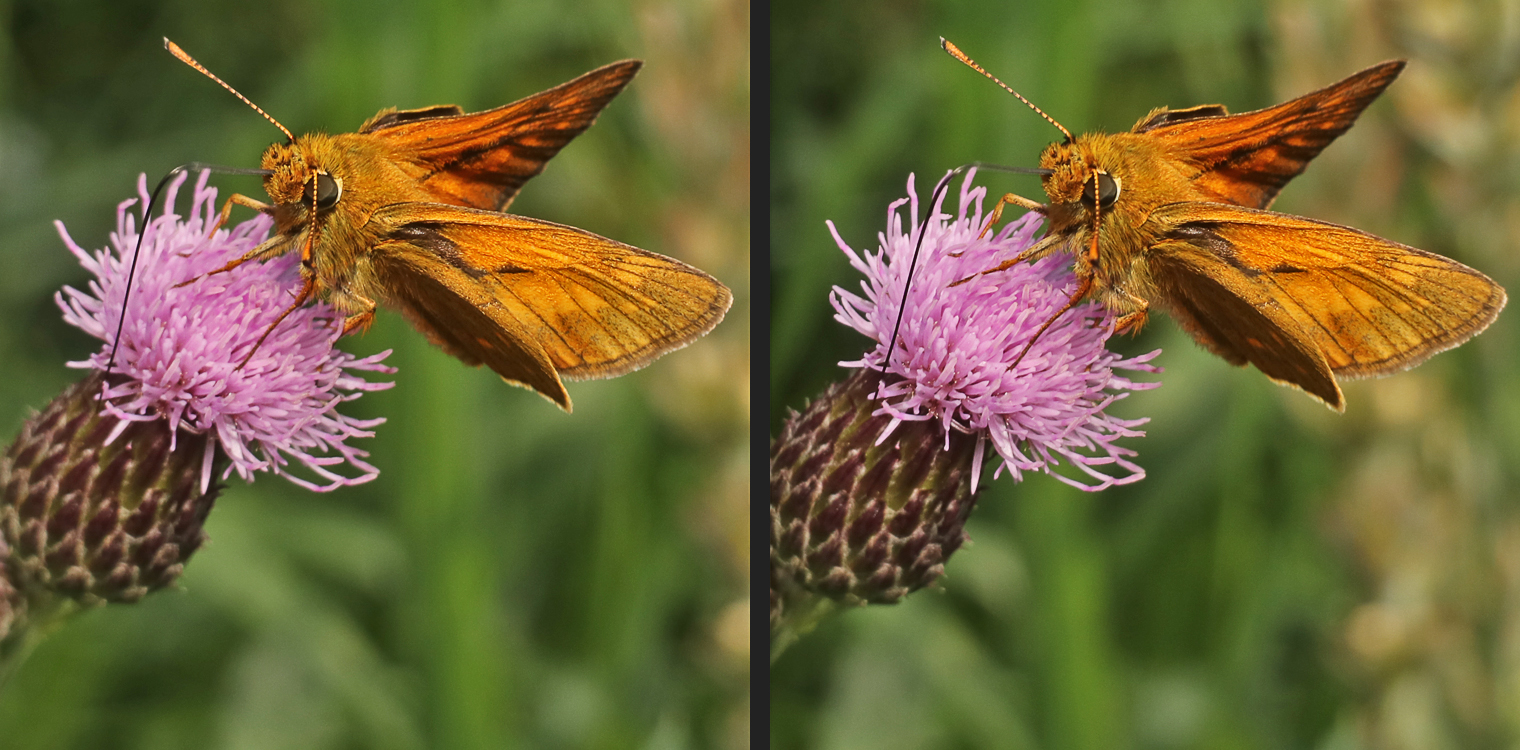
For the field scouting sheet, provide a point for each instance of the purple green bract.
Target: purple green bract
(182, 348)
(954, 358)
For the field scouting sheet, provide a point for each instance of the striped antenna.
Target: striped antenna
(959, 55)
(188, 60)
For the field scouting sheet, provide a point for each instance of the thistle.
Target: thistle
(872, 483)
(106, 490)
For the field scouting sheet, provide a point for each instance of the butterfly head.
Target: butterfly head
(297, 182)
(1078, 183)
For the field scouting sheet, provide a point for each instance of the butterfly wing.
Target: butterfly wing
(482, 159)
(1237, 320)
(1246, 159)
(462, 317)
(597, 308)
(1365, 305)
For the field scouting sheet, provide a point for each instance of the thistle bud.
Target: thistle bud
(858, 519)
(97, 510)
(12, 603)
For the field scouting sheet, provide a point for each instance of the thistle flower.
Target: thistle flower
(183, 347)
(871, 485)
(107, 489)
(961, 342)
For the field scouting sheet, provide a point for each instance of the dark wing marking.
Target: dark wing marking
(386, 118)
(1164, 116)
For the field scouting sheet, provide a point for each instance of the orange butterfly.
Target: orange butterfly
(407, 212)
(1172, 213)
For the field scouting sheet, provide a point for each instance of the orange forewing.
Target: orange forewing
(1171, 214)
(1246, 159)
(406, 212)
(482, 159)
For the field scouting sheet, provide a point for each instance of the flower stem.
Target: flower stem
(43, 618)
(802, 612)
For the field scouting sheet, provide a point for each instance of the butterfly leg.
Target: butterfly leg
(1086, 263)
(221, 219)
(268, 249)
(361, 321)
(1132, 322)
(259, 253)
(1035, 252)
(1007, 199)
(241, 200)
(308, 284)
(1084, 285)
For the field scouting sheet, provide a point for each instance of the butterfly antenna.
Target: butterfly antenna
(959, 55)
(1012, 170)
(923, 229)
(185, 58)
(126, 295)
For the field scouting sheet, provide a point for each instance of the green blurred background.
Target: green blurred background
(516, 576)
(1285, 577)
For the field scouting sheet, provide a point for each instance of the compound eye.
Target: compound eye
(1107, 189)
(328, 190)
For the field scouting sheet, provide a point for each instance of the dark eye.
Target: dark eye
(1107, 189)
(328, 190)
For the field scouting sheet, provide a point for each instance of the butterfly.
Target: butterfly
(1174, 214)
(408, 212)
